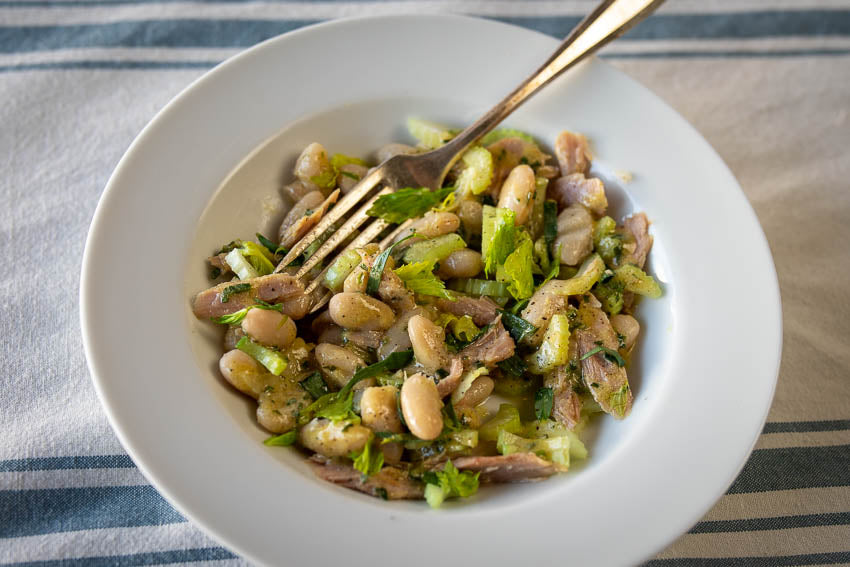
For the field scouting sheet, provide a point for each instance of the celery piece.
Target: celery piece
(240, 265)
(429, 134)
(340, 269)
(502, 133)
(517, 269)
(507, 419)
(339, 160)
(536, 222)
(273, 360)
(553, 351)
(434, 249)
(602, 228)
(368, 460)
(637, 281)
(477, 173)
(547, 429)
(434, 495)
(498, 236)
(315, 385)
(473, 286)
(553, 449)
(588, 274)
(419, 278)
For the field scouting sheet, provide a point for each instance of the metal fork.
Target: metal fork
(608, 21)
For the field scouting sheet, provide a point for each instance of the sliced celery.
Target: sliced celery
(240, 265)
(637, 281)
(429, 134)
(340, 269)
(273, 360)
(507, 419)
(588, 274)
(553, 350)
(476, 176)
(472, 286)
(434, 249)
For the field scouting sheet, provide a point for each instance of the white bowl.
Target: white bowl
(703, 377)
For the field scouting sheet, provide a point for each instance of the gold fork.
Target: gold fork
(609, 20)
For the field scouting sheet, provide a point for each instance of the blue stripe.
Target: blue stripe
(104, 64)
(794, 467)
(244, 33)
(776, 561)
(775, 523)
(64, 463)
(154, 558)
(34, 512)
(806, 426)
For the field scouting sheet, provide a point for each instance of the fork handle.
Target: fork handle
(608, 21)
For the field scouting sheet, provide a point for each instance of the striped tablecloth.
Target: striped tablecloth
(767, 82)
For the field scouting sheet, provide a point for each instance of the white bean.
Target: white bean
(378, 409)
(333, 439)
(338, 363)
(396, 338)
(464, 263)
(243, 372)
(428, 340)
(433, 224)
(421, 406)
(518, 191)
(359, 311)
(313, 163)
(269, 327)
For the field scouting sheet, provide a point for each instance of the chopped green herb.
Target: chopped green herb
(350, 175)
(513, 366)
(377, 271)
(315, 385)
(237, 316)
(381, 492)
(550, 223)
(610, 355)
(282, 440)
(407, 203)
(518, 327)
(543, 401)
(268, 243)
(230, 290)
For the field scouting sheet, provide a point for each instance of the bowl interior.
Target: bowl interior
(249, 200)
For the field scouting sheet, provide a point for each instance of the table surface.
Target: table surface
(767, 83)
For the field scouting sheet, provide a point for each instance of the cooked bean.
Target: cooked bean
(359, 311)
(464, 263)
(517, 192)
(390, 150)
(308, 202)
(478, 391)
(627, 326)
(243, 372)
(295, 190)
(378, 409)
(313, 168)
(471, 214)
(231, 337)
(350, 175)
(279, 398)
(269, 327)
(433, 224)
(421, 406)
(331, 334)
(333, 439)
(428, 340)
(338, 363)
